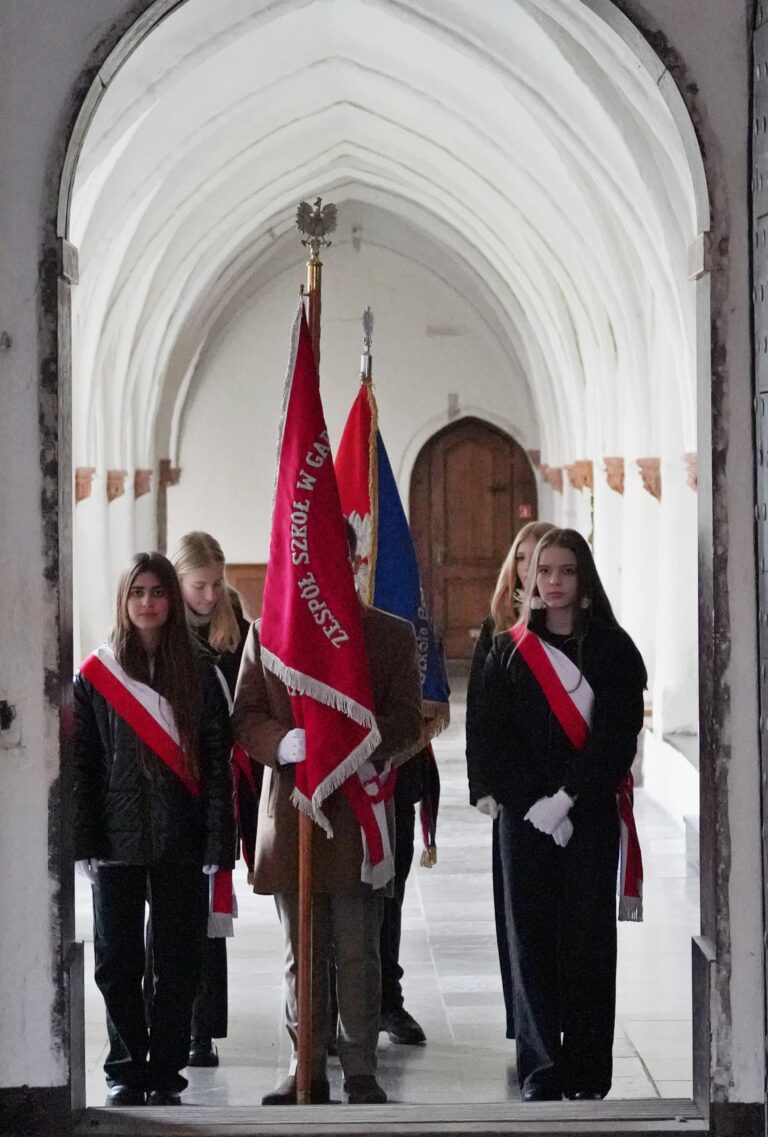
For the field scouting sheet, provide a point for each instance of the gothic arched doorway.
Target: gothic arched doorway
(472, 488)
(709, 681)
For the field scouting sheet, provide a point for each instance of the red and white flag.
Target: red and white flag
(311, 629)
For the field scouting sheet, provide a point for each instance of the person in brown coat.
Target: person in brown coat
(346, 913)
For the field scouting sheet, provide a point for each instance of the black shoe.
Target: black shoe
(402, 1027)
(125, 1095)
(285, 1094)
(163, 1097)
(540, 1093)
(363, 1089)
(202, 1052)
(586, 1095)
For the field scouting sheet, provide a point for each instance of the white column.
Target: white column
(93, 598)
(607, 547)
(639, 565)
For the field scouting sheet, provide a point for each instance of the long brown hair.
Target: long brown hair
(503, 605)
(198, 550)
(176, 673)
(590, 587)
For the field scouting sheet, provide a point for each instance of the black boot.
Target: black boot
(402, 1027)
(202, 1052)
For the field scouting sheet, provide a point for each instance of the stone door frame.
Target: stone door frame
(709, 269)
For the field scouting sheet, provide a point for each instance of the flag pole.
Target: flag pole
(315, 222)
(366, 378)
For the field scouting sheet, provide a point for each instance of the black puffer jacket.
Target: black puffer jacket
(129, 807)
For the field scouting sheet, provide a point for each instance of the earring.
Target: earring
(585, 602)
(537, 603)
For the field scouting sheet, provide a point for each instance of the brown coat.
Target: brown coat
(263, 716)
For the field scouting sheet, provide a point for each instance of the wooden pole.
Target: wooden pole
(304, 976)
(316, 223)
(314, 302)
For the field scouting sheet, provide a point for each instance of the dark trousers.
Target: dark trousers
(346, 926)
(389, 947)
(561, 922)
(210, 1009)
(144, 1054)
(502, 941)
(209, 1013)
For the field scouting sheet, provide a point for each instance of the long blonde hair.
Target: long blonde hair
(198, 550)
(504, 608)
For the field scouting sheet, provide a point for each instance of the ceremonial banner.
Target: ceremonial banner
(389, 571)
(389, 578)
(311, 631)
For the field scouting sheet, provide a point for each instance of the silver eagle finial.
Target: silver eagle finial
(315, 221)
(366, 359)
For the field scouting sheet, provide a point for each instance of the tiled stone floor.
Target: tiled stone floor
(451, 975)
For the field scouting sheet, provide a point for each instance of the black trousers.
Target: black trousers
(148, 1055)
(210, 1011)
(389, 945)
(561, 922)
(502, 941)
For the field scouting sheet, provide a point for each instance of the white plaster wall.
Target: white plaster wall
(712, 37)
(429, 344)
(43, 49)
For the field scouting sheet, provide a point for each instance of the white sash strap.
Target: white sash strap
(154, 704)
(574, 682)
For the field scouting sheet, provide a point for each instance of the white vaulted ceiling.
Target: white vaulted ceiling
(518, 148)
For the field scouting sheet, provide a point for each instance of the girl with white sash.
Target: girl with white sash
(505, 610)
(557, 716)
(153, 816)
(215, 617)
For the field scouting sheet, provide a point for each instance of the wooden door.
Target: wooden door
(249, 580)
(472, 488)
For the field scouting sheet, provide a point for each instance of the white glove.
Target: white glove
(292, 748)
(547, 813)
(563, 833)
(209, 870)
(88, 868)
(488, 805)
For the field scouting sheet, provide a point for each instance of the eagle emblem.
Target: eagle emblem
(316, 221)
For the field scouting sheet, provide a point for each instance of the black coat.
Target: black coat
(520, 753)
(129, 807)
(228, 663)
(477, 770)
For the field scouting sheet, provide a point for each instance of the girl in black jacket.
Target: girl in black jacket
(153, 812)
(557, 715)
(505, 610)
(215, 617)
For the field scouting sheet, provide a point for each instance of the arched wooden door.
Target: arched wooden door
(472, 488)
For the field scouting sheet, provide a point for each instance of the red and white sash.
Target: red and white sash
(372, 791)
(151, 718)
(571, 699)
(147, 713)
